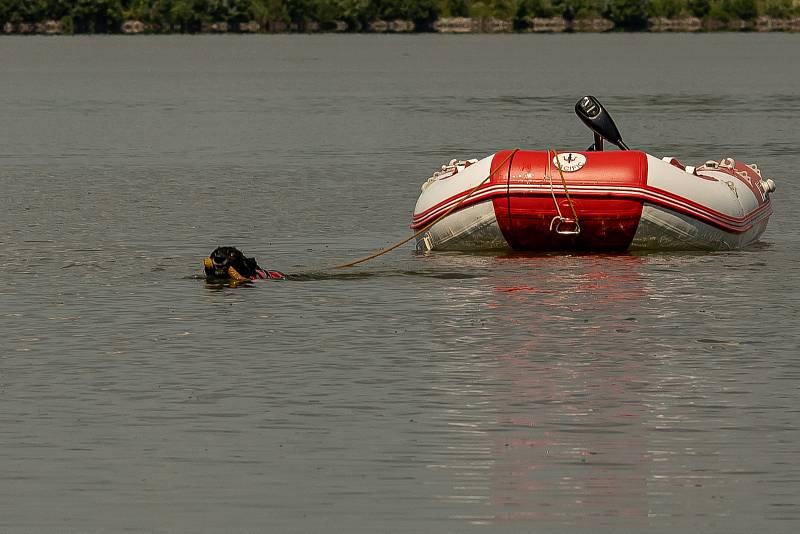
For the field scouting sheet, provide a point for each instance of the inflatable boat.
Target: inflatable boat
(592, 200)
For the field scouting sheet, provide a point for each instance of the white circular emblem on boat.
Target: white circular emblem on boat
(569, 161)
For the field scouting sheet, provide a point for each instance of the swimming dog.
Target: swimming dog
(229, 263)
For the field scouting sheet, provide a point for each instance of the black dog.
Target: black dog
(229, 263)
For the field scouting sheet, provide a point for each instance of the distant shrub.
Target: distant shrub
(740, 9)
(699, 8)
(670, 9)
(779, 9)
(422, 12)
(628, 14)
(457, 8)
(580, 9)
(528, 9)
(266, 11)
(717, 12)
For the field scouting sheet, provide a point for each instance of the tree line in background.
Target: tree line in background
(107, 16)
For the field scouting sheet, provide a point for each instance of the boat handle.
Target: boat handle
(555, 226)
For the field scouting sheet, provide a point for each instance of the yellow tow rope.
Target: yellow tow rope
(425, 228)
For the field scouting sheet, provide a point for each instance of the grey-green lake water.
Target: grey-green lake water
(418, 393)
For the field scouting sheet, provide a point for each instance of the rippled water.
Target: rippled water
(440, 393)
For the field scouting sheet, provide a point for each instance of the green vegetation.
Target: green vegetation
(107, 16)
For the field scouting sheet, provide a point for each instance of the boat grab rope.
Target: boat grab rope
(555, 224)
(425, 228)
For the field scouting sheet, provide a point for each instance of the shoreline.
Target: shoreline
(451, 25)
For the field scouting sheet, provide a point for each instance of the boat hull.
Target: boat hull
(607, 201)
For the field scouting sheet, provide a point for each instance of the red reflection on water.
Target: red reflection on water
(609, 278)
(570, 446)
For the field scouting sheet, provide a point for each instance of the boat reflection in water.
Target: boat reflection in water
(561, 425)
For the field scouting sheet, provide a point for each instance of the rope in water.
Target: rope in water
(425, 228)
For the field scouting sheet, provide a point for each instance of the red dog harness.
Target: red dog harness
(268, 275)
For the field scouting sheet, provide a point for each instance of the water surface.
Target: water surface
(438, 393)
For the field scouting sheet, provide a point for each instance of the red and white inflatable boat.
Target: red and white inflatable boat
(591, 200)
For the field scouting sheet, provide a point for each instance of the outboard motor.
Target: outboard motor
(595, 116)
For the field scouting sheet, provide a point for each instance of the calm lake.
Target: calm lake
(418, 393)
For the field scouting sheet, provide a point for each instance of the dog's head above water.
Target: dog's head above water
(229, 263)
